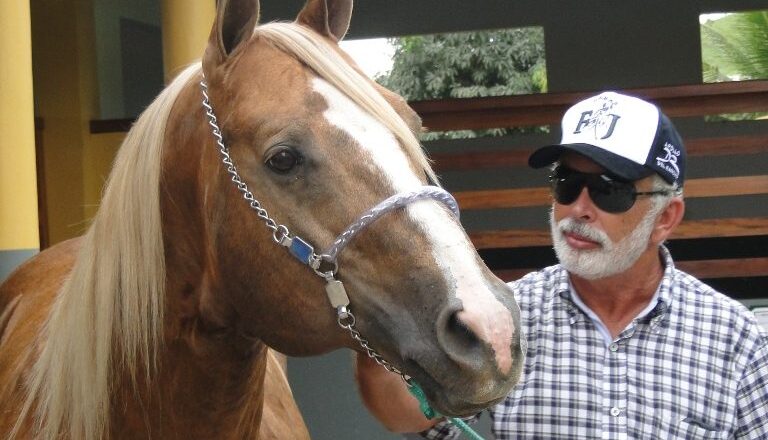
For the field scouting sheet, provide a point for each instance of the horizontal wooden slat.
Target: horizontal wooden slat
(722, 227)
(503, 198)
(726, 186)
(482, 160)
(727, 145)
(733, 227)
(540, 196)
(725, 268)
(547, 108)
(511, 238)
(719, 146)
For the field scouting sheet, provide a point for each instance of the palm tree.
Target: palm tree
(735, 47)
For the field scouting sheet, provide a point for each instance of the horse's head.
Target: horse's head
(318, 144)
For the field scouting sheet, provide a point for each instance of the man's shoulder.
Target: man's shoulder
(547, 277)
(539, 288)
(701, 304)
(691, 291)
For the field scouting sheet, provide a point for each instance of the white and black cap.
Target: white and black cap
(627, 136)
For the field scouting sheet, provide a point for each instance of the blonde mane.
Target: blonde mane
(320, 57)
(109, 312)
(108, 316)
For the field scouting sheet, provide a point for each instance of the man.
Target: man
(620, 343)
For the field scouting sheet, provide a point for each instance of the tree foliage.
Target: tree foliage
(467, 65)
(735, 47)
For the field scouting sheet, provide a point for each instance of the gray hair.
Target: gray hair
(659, 202)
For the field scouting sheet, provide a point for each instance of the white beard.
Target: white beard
(608, 259)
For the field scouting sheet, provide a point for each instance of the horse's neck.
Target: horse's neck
(216, 383)
(204, 388)
(211, 382)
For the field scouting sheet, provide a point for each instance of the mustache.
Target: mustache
(571, 226)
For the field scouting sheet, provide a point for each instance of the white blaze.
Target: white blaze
(483, 313)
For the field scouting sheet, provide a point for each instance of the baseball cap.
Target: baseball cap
(627, 136)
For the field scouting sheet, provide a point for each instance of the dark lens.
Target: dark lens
(612, 196)
(566, 187)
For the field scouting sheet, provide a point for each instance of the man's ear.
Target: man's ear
(668, 220)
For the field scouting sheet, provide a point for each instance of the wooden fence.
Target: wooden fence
(744, 267)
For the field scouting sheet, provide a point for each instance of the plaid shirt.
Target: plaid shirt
(694, 367)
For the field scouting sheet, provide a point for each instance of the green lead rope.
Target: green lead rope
(430, 412)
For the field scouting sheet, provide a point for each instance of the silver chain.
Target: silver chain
(279, 232)
(348, 323)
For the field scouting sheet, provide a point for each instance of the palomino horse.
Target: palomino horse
(156, 322)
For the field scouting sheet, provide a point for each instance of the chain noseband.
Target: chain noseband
(305, 252)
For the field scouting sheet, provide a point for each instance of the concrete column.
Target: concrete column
(19, 231)
(186, 26)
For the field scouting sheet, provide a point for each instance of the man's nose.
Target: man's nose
(583, 208)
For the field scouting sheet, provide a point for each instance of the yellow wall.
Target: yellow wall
(18, 185)
(186, 26)
(98, 154)
(75, 161)
(57, 97)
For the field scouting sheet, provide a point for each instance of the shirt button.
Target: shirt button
(615, 411)
(613, 347)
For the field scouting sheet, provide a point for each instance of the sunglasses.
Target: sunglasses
(608, 193)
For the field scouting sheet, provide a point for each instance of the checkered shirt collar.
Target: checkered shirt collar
(664, 294)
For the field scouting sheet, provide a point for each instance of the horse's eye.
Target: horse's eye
(283, 160)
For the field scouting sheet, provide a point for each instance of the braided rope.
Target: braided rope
(396, 201)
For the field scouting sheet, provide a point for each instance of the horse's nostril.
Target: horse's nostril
(461, 336)
(459, 340)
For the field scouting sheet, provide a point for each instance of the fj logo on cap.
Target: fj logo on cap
(600, 120)
(628, 137)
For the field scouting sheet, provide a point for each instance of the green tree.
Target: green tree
(468, 65)
(735, 47)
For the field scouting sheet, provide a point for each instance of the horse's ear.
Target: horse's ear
(327, 17)
(234, 23)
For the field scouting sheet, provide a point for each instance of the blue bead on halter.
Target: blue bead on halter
(302, 250)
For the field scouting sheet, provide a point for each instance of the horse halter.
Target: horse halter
(305, 253)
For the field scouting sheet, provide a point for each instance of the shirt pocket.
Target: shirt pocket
(688, 429)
